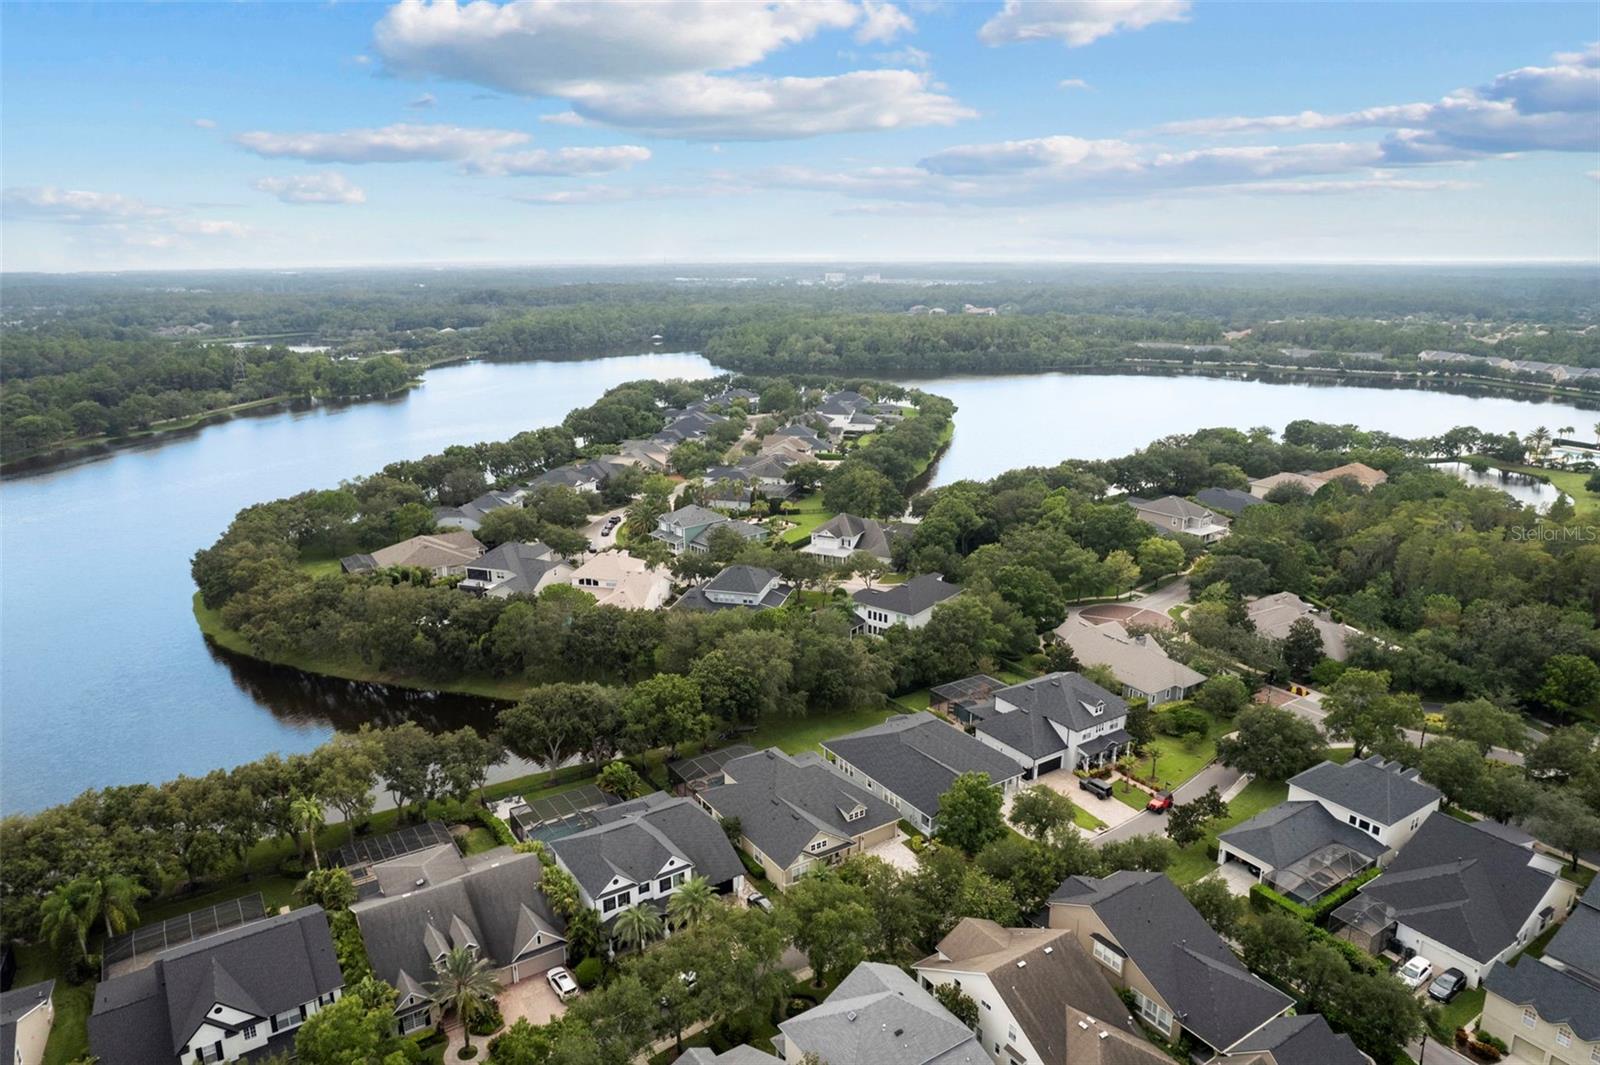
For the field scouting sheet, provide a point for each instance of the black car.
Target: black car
(1096, 786)
(1447, 985)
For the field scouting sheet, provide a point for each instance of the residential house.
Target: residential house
(442, 554)
(646, 454)
(753, 587)
(878, 1016)
(801, 437)
(1026, 982)
(469, 516)
(489, 904)
(912, 759)
(795, 814)
(859, 424)
(840, 408)
(1304, 1039)
(1261, 487)
(26, 1014)
(1140, 663)
(968, 699)
(910, 603)
(643, 851)
(767, 469)
(1274, 615)
(1227, 500)
(844, 534)
(515, 568)
(1358, 473)
(1460, 897)
(743, 1054)
(580, 477)
(220, 998)
(616, 578)
(689, 529)
(1338, 822)
(1547, 1009)
(1174, 514)
(1058, 721)
(729, 494)
(1147, 939)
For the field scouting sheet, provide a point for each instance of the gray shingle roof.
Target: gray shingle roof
(1558, 997)
(1577, 945)
(264, 967)
(879, 1016)
(744, 579)
(912, 597)
(739, 1055)
(1289, 831)
(917, 757)
(1228, 499)
(1216, 997)
(1386, 792)
(1064, 699)
(873, 539)
(782, 802)
(1172, 507)
(1464, 888)
(634, 839)
(495, 903)
(1305, 1039)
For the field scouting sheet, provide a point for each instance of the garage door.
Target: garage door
(1523, 1050)
(1049, 765)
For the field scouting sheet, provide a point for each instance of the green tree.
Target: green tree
(1361, 709)
(859, 489)
(622, 780)
(1159, 556)
(692, 903)
(969, 813)
(1216, 902)
(959, 1003)
(61, 920)
(1186, 822)
(1223, 695)
(1147, 853)
(1040, 811)
(1456, 768)
(663, 710)
(1271, 743)
(1571, 684)
(1561, 819)
(307, 813)
(465, 985)
(1486, 725)
(356, 1030)
(1302, 648)
(830, 923)
(1562, 755)
(110, 898)
(332, 889)
(636, 926)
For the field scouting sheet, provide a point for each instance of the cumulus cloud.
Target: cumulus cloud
(563, 118)
(666, 68)
(590, 195)
(1076, 22)
(1549, 108)
(79, 206)
(398, 143)
(1073, 83)
(326, 187)
(204, 123)
(559, 162)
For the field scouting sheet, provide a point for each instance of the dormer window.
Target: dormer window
(855, 814)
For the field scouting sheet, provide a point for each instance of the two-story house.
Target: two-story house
(911, 760)
(878, 1016)
(515, 568)
(910, 604)
(795, 814)
(1145, 938)
(220, 998)
(643, 851)
(1059, 721)
(470, 515)
(1174, 514)
(616, 578)
(1033, 986)
(1338, 821)
(26, 1016)
(751, 587)
(689, 529)
(844, 534)
(1548, 1009)
(1460, 896)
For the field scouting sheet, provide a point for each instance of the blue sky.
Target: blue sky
(243, 135)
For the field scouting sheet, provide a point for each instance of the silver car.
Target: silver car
(562, 983)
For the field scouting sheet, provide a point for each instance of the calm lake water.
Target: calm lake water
(1518, 486)
(104, 678)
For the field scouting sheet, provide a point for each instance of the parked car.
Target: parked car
(1415, 972)
(1447, 985)
(1160, 802)
(760, 901)
(1096, 786)
(562, 983)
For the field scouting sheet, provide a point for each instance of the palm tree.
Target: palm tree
(112, 897)
(465, 984)
(691, 903)
(1538, 439)
(637, 925)
(61, 919)
(306, 812)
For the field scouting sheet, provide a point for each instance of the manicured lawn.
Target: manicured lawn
(1464, 1008)
(1176, 760)
(1585, 502)
(69, 1034)
(276, 890)
(1192, 862)
(479, 840)
(794, 735)
(807, 514)
(1084, 819)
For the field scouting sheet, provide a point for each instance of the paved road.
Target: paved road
(1163, 598)
(1309, 707)
(1214, 775)
(1435, 1053)
(592, 530)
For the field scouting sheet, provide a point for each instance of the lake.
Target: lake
(104, 678)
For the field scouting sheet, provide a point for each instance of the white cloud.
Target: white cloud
(560, 162)
(426, 100)
(392, 144)
(665, 68)
(326, 187)
(1076, 22)
(1040, 153)
(1369, 184)
(79, 206)
(211, 227)
(910, 57)
(1550, 108)
(591, 195)
(882, 22)
(563, 118)
(204, 123)
(1074, 83)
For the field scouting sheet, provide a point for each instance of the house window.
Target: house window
(1108, 957)
(210, 1053)
(1153, 1011)
(249, 1031)
(1529, 1018)
(287, 1019)
(1594, 1056)
(1011, 1033)
(1563, 1037)
(665, 884)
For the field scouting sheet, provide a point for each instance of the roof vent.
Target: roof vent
(1021, 964)
(1084, 1025)
(850, 1016)
(422, 881)
(1104, 1034)
(1049, 950)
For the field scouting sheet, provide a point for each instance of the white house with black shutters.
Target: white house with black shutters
(1059, 721)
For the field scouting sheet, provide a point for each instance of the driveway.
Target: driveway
(1225, 780)
(592, 530)
(1237, 877)
(533, 999)
(1112, 812)
(895, 852)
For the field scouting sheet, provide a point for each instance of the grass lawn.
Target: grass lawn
(1585, 502)
(917, 700)
(1192, 862)
(1463, 1008)
(794, 735)
(1176, 760)
(478, 840)
(1086, 820)
(69, 1033)
(807, 514)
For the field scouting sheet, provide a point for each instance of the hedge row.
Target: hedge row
(497, 828)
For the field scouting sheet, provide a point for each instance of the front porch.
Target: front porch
(1103, 750)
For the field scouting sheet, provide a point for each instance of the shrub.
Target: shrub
(1263, 898)
(487, 1020)
(588, 972)
(348, 947)
(1340, 895)
(1183, 721)
(500, 830)
(751, 866)
(1493, 1041)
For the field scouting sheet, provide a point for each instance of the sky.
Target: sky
(176, 135)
